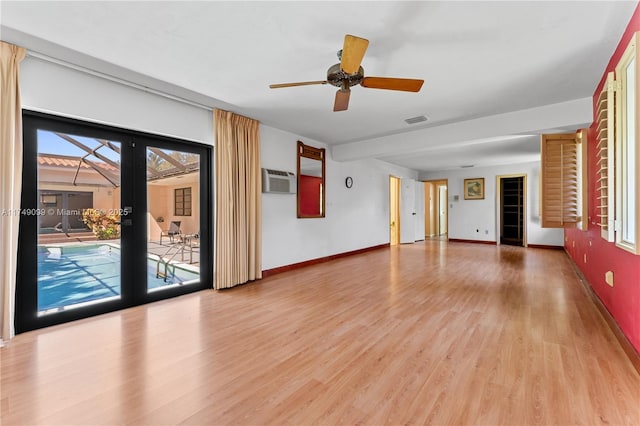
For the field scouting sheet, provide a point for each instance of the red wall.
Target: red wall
(622, 300)
(310, 195)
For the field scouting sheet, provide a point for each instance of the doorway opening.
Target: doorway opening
(436, 209)
(512, 199)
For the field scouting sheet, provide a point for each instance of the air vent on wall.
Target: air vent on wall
(278, 181)
(415, 120)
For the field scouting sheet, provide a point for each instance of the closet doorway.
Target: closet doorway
(512, 199)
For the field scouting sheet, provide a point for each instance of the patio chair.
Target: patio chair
(174, 231)
(189, 242)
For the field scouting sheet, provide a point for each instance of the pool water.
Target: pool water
(72, 275)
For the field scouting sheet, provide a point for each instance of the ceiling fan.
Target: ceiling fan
(349, 73)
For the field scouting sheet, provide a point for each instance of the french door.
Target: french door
(110, 219)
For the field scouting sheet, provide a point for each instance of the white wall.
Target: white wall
(60, 90)
(465, 216)
(355, 218)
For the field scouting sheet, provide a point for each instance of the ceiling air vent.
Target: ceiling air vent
(416, 120)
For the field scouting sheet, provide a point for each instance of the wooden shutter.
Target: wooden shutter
(561, 186)
(605, 154)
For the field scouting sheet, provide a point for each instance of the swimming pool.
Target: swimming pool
(75, 275)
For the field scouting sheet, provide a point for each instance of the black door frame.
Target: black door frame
(133, 238)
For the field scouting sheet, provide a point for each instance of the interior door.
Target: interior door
(442, 209)
(420, 212)
(84, 244)
(428, 210)
(407, 210)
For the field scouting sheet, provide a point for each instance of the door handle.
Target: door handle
(126, 211)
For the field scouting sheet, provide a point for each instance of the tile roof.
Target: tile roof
(71, 162)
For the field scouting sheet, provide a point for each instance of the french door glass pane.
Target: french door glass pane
(78, 218)
(173, 218)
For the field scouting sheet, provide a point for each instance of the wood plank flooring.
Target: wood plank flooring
(430, 333)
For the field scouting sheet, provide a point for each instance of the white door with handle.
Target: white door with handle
(407, 210)
(442, 209)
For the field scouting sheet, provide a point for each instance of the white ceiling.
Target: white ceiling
(478, 59)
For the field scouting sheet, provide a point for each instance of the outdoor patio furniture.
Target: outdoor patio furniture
(172, 232)
(189, 242)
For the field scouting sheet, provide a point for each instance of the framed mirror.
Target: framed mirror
(310, 181)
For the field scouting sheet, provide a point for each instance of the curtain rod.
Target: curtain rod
(118, 80)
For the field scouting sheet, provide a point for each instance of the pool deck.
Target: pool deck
(188, 254)
(185, 253)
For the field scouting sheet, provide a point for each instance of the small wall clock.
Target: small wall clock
(348, 182)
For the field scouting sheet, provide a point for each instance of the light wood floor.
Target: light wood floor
(431, 333)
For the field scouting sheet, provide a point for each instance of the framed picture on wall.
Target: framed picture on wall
(474, 189)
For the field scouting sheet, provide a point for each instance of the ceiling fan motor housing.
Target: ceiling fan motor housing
(338, 78)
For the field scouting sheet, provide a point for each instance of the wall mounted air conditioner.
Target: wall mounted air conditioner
(278, 181)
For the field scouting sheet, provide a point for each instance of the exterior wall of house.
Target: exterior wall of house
(65, 176)
(60, 178)
(188, 224)
(161, 205)
(104, 198)
(158, 206)
(467, 216)
(595, 256)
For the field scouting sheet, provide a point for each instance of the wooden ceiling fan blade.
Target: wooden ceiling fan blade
(352, 53)
(404, 84)
(342, 100)
(301, 83)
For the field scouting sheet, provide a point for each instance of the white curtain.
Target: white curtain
(238, 239)
(11, 182)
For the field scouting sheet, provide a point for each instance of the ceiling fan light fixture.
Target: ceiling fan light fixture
(337, 77)
(349, 72)
(416, 120)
